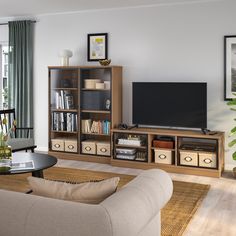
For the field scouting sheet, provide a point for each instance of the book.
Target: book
(22, 165)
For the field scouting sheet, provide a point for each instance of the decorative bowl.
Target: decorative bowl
(105, 62)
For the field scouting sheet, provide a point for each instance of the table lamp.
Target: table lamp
(65, 54)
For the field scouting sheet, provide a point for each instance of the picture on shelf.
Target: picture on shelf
(229, 66)
(97, 46)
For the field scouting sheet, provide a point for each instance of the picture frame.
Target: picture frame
(229, 67)
(97, 46)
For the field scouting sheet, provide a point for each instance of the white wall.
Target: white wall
(167, 43)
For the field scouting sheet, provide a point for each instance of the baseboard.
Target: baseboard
(229, 166)
(41, 149)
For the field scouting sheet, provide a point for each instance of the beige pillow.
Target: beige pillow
(88, 192)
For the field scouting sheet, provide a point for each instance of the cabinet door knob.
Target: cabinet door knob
(162, 156)
(57, 145)
(103, 150)
(207, 161)
(71, 147)
(188, 158)
(88, 148)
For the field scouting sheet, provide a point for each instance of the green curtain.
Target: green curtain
(20, 75)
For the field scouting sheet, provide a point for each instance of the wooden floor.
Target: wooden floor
(217, 214)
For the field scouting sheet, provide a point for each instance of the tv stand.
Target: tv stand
(173, 150)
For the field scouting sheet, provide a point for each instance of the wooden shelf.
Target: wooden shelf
(167, 149)
(65, 132)
(64, 110)
(95, 134)
(86, 89)
(179, 136)
(130, 146)
(64, 89)
(96, 111)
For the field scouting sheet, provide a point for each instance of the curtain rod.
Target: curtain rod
(33, 21)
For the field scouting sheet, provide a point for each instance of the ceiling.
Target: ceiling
(17, 8)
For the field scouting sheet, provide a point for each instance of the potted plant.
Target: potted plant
(233, 131)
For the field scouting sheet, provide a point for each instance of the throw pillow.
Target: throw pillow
(87, 192)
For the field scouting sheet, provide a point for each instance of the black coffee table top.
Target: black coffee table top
(41, 162)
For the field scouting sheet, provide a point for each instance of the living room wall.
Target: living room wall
(173, 42)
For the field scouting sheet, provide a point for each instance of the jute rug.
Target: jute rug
(175, 216)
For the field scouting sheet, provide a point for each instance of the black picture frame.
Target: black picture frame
(229, 67)
(97, 46)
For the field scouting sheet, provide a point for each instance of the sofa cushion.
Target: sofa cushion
(87, 192)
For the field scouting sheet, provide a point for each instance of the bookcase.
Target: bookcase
(178, 151)
(85, 103)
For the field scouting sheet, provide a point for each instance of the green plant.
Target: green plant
(232, 131)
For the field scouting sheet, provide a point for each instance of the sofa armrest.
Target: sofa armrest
(27, 215)
(137, 203)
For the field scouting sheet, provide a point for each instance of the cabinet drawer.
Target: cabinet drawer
(89, 147)
(163, 156)
(188, 158)
(103, 148)
(70, 145)
(207, 160)
(58, 145)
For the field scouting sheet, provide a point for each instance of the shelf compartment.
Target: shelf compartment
(167, 149)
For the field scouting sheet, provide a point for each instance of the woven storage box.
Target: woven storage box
(163, 156)
(89, 147)
(70, 145)
(188, 158)
(207, 160)
(103, 148)
(163, 144)
(58, 145)
(91, 83)
(99, 85)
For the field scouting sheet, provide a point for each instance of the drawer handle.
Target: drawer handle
(207, 161)
(88, 148)
(162, 156)
(103, 150)
(188, 159)
(57, 145)
(71, 147)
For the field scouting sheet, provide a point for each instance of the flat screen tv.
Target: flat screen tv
(170, 104)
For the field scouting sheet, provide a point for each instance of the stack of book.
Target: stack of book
(64, 121)
(96, 127)
(64, 100)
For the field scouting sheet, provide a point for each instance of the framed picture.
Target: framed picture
(229, 66)
(97, 46)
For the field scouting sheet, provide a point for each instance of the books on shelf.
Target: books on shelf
(64, 100)
(95, 127)
(64, 121)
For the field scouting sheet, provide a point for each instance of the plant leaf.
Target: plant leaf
(234, 156)
(232, 143)
(233, 109)
(232, 131)
(234, 94)
(232, 102)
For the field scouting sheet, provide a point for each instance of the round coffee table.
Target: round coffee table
(41, 162)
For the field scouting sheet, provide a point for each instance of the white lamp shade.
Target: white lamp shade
(65, 53)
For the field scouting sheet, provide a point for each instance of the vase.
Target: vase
(5, 158)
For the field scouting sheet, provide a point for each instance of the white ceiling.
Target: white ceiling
(14, 8)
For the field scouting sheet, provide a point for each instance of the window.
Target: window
(4, 77)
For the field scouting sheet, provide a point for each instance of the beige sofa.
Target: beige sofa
(133, 210)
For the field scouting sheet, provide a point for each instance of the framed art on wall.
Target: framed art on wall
(97, 46)
(229, 66)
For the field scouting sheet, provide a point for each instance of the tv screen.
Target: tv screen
(170, 104)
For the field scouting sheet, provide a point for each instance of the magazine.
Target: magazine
(22, 165)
